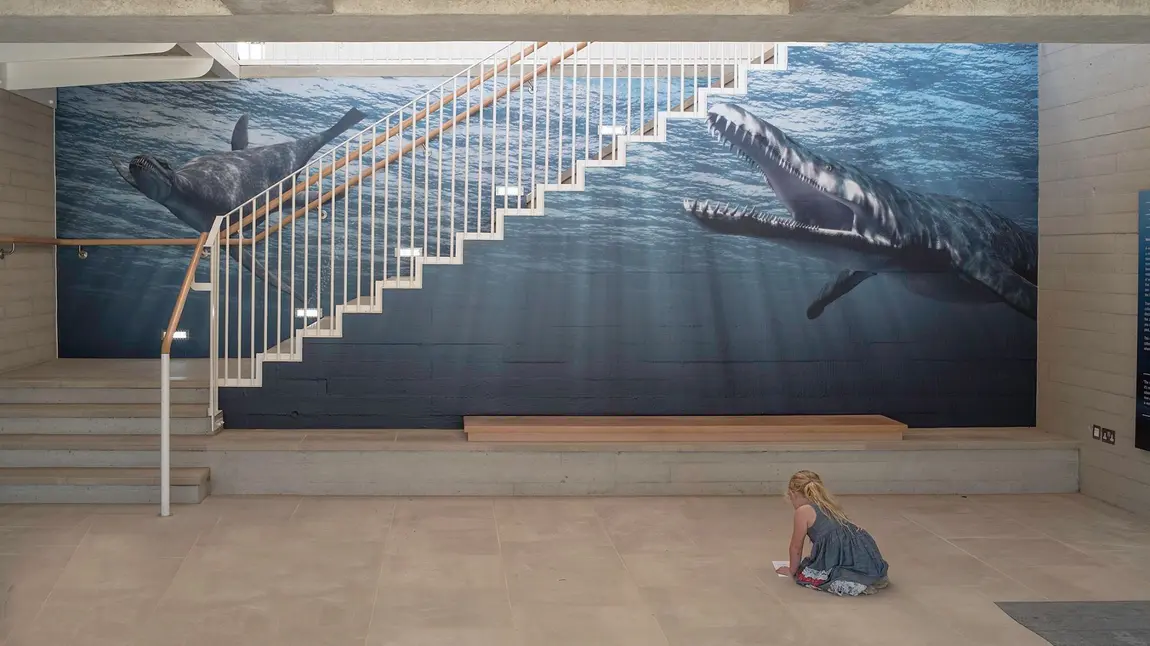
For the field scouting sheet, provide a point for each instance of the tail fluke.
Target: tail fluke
(348, 120)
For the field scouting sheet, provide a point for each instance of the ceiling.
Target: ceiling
(123, 21)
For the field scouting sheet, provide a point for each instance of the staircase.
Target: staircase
(366, 216)
(413, 188)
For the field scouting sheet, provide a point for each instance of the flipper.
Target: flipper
(240, 134)
(1019, 293)
(122, 169)
(836, 289)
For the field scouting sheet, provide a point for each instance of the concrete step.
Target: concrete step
(100, 484)
(96, 450)
(53, 394)
(119, 419)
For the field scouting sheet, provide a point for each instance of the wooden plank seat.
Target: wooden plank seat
(685, 429)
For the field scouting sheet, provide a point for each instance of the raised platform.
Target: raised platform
(413, 463)
(688, 429)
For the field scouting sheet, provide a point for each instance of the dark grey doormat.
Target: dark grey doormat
(1084, 623)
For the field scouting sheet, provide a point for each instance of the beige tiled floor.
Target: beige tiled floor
(543, 572)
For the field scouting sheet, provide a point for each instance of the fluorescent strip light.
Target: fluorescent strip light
(408, 252)
(611, 131)
(508, 191)
(310, 313)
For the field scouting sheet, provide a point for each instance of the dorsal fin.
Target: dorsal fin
(842, 284)
(240, 134)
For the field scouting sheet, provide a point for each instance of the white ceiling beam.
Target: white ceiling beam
(279, 7)
(101, 71)
(26, 52)
(225, 66)
(863, 7)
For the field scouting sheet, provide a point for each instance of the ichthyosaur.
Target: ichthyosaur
(215, 184)
(943, 247)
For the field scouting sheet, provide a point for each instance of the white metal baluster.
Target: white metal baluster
(710, 78)
(267, 244)
(574, 116)
(165, 434)
(227, 296)
(279, 270)
(399, 197)
(602, 95)
(346, 223)
(467, 157)
(682, 77)
(615, 58)
(358, 221)
(627, 49)
(307, 252)
(319, 245)
(507, 137)
(519, 164)
(695, 76)
(439, 180)
(372, 216)
(291, 289)
(426, 170)
(253, 273)
(494, 141)
(534, 114)
(642, 88)
(669, 88)
(547, 127)
(587, 113)
(387, 190)
(411, 205)
(479, 166)
(559, 160)
(214, 325)
(451, 217)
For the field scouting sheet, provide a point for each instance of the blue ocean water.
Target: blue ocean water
(953, 119)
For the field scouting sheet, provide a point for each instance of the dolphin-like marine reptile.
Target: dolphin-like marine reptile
(215, 184)
(944, 247)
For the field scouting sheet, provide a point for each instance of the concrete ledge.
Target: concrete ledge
(434, 463)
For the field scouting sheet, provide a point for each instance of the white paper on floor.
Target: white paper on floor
(779, 564)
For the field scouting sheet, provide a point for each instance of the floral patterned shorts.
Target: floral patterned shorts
(817, 580)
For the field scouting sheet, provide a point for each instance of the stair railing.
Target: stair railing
(410, 189)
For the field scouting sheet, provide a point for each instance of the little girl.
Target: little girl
(844, 558)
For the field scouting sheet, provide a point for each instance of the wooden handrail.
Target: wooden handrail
(185, 288)
(98, 242)
(354, 181)
(379, 139)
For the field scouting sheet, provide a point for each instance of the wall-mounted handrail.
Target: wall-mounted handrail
(99, 242)
(385, 136)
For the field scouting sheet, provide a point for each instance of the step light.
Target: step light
(612, 131)
(310, 313)
(408, 252)
(508, 191)
(178, 335)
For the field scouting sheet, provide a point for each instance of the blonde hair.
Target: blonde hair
(809, 485)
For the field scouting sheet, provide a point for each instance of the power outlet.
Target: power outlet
(1102, 434)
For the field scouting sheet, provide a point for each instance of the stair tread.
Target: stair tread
(112, 411)
(181, 476)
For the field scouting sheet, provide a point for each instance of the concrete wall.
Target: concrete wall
(27, 207)
(1094, 132)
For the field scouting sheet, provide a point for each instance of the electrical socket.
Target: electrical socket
(1102, 434)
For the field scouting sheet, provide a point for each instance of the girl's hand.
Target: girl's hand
(785, 571)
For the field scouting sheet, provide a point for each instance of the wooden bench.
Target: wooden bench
(688, 429)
